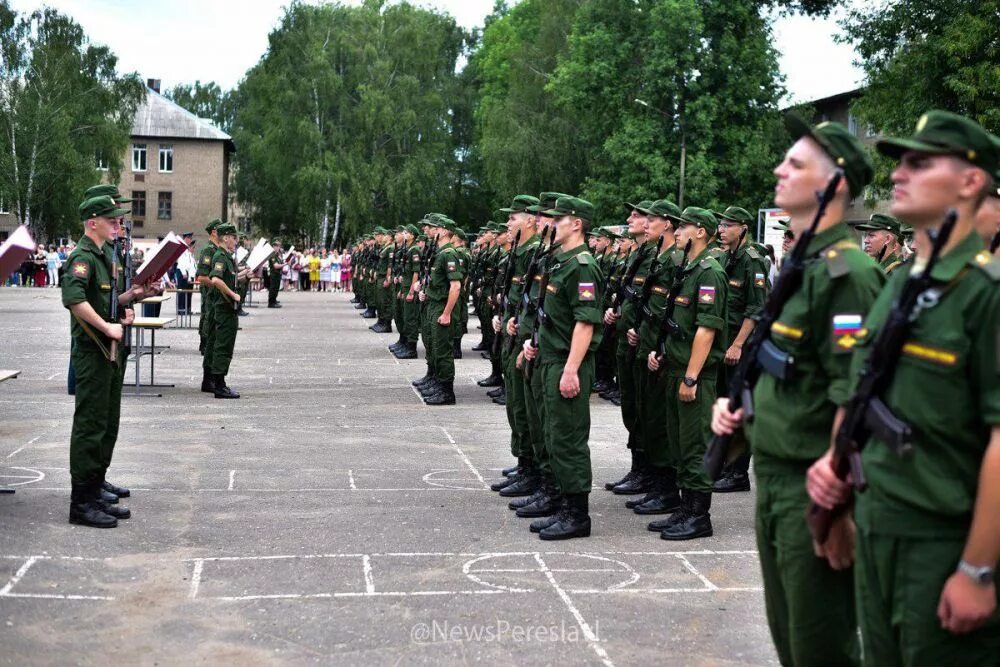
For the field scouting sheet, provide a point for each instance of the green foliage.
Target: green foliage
(939, 54)
(206, 101)
(62, 105)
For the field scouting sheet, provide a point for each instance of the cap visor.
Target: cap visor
(895, 147)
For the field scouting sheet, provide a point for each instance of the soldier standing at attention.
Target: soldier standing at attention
(883, 240)
(691, 372)
(206, 324)
(568, 336)
(274, 267)
(746, 273)
(97, 356)
(809, 593)
(928, 539)
(460, 326)
(227, 304)
(442, 298)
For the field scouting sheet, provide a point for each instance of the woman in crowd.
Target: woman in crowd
(312, 262)
(325, 272)
(52, 264)
(39, 266)
(295, 277)
(345, 271)
(335, 269)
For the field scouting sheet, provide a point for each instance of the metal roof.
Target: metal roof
(159, 117)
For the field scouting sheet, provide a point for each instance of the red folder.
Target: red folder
(160, 259)
(14, 251)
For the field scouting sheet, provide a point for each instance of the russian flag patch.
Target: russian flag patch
(585, 291)
(758, 280)
(706, 294)
(846, 324)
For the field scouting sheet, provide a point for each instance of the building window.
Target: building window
(852, 124)
(3, 207)
(138, 203)
(164, 206)
(138, 157)
(870, 132)
(166, 158)
(102, 163)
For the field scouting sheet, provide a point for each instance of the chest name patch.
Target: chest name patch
(932, 354)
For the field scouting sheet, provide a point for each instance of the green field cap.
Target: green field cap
(945, 133)
(100, 207)
(574, 206)
(844, 148)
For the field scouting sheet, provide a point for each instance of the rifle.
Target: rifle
(761, 353)
(668, 326)
(995, 243)
(127, 331)
(541, 251)
(625, 290)
(881, 254)
(642, 305)
(503, 303)
(113, 310)
(237, 304)
(612, 286)
(541, 317)
(866, 415)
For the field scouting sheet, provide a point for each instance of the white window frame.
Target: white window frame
(166, 151)
(102, 163)
(145, 204)
(852, 125)
(158, 198)
(137, 151)
(3, 207)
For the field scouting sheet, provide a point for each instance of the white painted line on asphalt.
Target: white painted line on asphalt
(588, 633)
(350, 480)
(693, 570)
(21, 571)
(52, 596)
(464, 458)
(417, 394)
(199, 565)
(30, 442)
(366, 563)
(53, 376)
(232, 480)
(16, 451)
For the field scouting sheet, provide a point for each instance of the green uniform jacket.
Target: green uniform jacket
(88, 278)
(747, 281)
(891, 263)
(522, 257)
(628, 305)
(947, 387)
(573, 295)
(447, 267)
(701, 302)
(794, 417)
(223, 266)
(668, 263)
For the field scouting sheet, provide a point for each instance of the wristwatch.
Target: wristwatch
(981, 574)
(690, 381)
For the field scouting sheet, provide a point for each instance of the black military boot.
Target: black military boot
(493, 393)
(507, 472)
(119, 491)
(501, 400)
(641, 482)
(682, 512)
(207, 382)
(354, 299)
(222, 390)
(633, 470)
(696, 523)
(526, 485)
(523, 501)
(408, 351)
(492, 380)
(599, 387)
(430, 388)
(428, 376)
(456, 348)
(732, 482)
(444, 397)
(369, 313)
(573, 522)
(481, 345)
(106, 496)
(116, 511)
(547, 505)
(538, 525)
(666, 498)
(510, 474)
(360, 305)
(84, 509)
(398, 342)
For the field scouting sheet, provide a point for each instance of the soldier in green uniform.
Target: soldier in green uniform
(97, 358)
(243, 272)
(637, 480)
(692, 355)
(409, 276)
(809, 597)
(460, 327)
(493, 290)
(746, 272)
(652, 395)
(206, 323)
(570, 332)
(883, 240)
(442, 299)
(275, 264)
(227, 304)
(928, 539)
(486, 252)
(604, 360)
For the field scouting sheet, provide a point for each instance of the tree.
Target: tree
(63, 106)
(349, 110)
(917, 56)
(206, 101)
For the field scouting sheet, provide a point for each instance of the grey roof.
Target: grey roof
(159, 117)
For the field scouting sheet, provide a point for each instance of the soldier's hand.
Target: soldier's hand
(511, 327)
(610, 317)
(725, 422)
(529, 350)
(129, 317)
(965, 605)
(444, 320)
(237, 298)
(409, 297)
(519, 362)
(824, 488)
(423, 297)
(113, 331)
(569, 383)
(496, 324)
(653, 362)
(838, 550)
(733, 354)
(633, 337)
(385, 283)
(686, 393)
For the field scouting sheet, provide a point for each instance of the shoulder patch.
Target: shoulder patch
(585, 258)
(80, 269)
(218, 266)
(836, 263)
(206, 260)
(753, 252)
(705, 263)
(988, 264)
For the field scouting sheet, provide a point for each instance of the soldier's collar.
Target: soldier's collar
(948, 266)
(827, 238)
(87, 243)
(700, 256)
(563, 256)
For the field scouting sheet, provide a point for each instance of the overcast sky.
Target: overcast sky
(179, 41)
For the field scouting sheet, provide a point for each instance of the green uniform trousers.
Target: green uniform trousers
(242, 291)
(898, 583)
(810, 606)
(628, 387)
(273, 286)
(206, 326)
(567, 426)
(689, 428)
(651, 401)
(534, 411)
(97, 410)
(425, 333)
(517, 416)
(411, 319)
(224, 340)
(397, 312)
(441, 351)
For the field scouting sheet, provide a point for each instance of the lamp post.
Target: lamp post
(680, 188)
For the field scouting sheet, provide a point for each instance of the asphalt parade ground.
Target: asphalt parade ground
(329, 517)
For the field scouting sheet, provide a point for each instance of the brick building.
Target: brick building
(176, 170)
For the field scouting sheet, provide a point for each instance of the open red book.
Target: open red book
(14, 251)
(160, 259)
